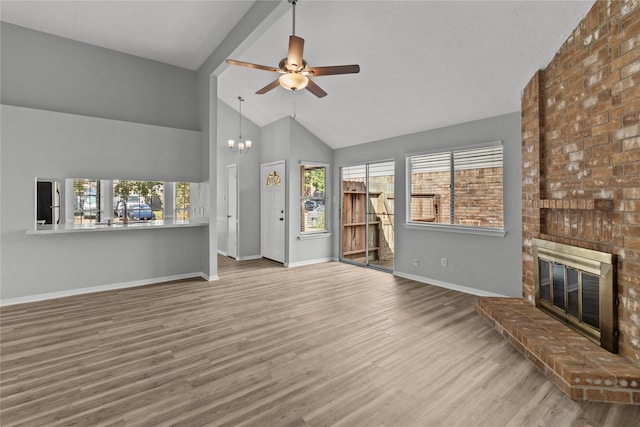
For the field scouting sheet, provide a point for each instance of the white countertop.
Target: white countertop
(116, 226)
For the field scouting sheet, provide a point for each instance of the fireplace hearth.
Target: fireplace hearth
(577, 286)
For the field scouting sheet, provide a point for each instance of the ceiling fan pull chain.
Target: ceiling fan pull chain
(294, 104)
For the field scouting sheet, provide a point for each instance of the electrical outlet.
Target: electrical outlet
(416, 262)
(443, 262)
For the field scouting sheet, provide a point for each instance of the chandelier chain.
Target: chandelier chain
(242, 145)
(240, 99)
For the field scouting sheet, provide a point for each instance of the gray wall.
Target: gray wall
(59, 145)
(485, 264)
(47, 72)
(306, 147)
(248, 181)
(288, 140)
(84, 80)
(275, 141)
(252, 25)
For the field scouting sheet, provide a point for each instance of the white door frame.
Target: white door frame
(233, 224)
(273, 212)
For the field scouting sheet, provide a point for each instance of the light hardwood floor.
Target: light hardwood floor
(328, 344)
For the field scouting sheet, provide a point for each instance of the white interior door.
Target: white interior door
(273, 210)
(232, 211)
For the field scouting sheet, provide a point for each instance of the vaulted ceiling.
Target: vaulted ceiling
(424, 64)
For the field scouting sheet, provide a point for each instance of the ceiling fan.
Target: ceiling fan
(294, 70)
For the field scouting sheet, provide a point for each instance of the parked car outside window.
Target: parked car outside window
(140, 211)
(316, 216)
(310, 205)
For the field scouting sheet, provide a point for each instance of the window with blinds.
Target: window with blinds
(459, 187)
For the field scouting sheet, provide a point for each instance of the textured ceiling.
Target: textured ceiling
(181, 33)
(424, 64)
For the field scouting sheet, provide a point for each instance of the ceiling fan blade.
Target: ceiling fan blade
(333, 69)
(294, 57)
(250, 65)
(315, 89)
(268, 87)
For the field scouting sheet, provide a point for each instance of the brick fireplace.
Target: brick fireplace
(581, 153)
(581, 187)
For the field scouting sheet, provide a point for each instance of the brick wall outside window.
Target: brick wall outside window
(478, 202)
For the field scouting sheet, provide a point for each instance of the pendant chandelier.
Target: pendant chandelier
(242, 146)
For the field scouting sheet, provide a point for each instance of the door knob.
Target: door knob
(281, 219)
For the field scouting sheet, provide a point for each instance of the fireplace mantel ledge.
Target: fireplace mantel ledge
(577, 204)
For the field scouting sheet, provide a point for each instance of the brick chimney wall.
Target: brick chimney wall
(581, 152)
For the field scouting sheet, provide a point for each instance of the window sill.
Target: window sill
(451, 228)
(309, 236)
(92, 227)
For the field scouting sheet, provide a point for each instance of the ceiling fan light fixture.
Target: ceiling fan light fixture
(293, 81)
(294, 68)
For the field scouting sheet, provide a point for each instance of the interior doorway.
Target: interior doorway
(232, 211)
(272, 210)
(367, 221)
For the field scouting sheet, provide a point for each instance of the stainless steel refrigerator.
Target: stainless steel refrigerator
(48, 202)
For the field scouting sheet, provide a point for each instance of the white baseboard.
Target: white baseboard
(240, 258)
(249, 257)
(447, 285)
(101, 288)
(209, 278)
(308, 262)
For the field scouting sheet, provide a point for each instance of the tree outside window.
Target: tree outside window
(313, 179)
(139, 196)
(144, 200)
(183, 191)
(86, 200)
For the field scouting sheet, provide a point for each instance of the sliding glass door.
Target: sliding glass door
(368, 214)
